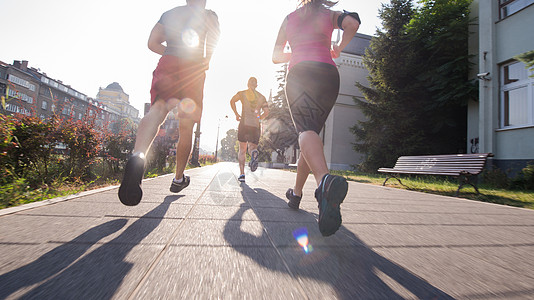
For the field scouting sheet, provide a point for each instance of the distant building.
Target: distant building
(29, 91)
(114, 96)
(502, 120)
(19, 87)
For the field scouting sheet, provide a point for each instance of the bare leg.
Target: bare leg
(242, 156)
(149, 125)
(303, 170)
(311, 147)
(252, 147)
(130, 192)
(184, 145)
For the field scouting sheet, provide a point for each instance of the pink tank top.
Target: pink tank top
(310, 36)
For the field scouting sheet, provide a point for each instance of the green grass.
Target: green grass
(18, 193)
(447, 186)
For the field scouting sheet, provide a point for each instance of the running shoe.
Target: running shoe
(330, 194)
(130, 192)
(176, 187)
(241, 178)
(294, 201)
(253, 164)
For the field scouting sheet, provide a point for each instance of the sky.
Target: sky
(90, 44)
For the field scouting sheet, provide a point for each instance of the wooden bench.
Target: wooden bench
(463, 166)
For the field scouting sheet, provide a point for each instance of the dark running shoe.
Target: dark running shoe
(253, 164)
(330, 194)
(294, 201)
(130, 192)
(177, 187)
(241, 178)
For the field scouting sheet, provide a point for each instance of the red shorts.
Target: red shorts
(181, 79)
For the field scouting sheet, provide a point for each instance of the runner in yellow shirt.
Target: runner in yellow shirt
(253, 109)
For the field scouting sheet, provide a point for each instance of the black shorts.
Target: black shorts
(248, 134)
(311, 90)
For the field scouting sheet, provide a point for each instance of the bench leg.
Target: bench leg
(392, 176)
(463, 180)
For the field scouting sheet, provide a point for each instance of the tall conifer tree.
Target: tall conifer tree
(419, 88)
(388, 130)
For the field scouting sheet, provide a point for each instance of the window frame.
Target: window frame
(507, 86)
(505, 3)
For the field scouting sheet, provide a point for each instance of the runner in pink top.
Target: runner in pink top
(312, 87)
(310, 42)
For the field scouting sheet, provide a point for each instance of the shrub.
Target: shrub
(496, 178)
(525, 179)
(206, 159)
(83, 143)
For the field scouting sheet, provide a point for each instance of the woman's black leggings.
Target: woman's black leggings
(311, 91)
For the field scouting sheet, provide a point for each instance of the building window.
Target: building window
(21, 82)
(16, 94)
(510, 7)
(44, 105)
(517, 95)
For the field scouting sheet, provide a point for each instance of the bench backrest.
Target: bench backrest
(460, 163)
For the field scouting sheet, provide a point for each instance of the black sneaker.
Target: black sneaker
(330, 194)
(130, 192)
(253, 164)
(294, 201)
(177, 187)
(241, 178)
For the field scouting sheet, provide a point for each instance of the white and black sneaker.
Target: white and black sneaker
(241, 178)
(176, 187)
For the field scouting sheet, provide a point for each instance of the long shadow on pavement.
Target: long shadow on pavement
(56, 260)
(351, 268)
(96, 275)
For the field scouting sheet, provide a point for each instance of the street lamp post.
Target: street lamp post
(196, 145)
(217, 143)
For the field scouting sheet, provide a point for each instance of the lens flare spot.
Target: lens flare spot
(190, 38)
(187, 105)
(301, 235)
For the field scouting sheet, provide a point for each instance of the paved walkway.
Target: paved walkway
(219, 239)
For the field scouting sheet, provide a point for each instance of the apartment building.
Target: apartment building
(29, 91)
(502, 120)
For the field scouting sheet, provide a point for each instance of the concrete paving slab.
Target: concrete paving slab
(223, 239)
(220, 273)
(39, 229)
(216, 233)
(462, 274)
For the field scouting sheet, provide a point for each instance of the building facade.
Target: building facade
(19, 88)
(337, 138)
(29, 91)
(113, 96)
(502, 120)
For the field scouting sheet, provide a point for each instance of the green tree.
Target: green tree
(228, 150)
(419, 88)
(440, 31)
(528, 59)
(391, 99)
(278, 130)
